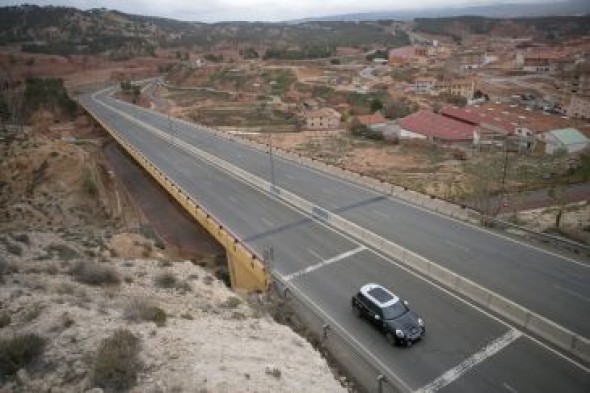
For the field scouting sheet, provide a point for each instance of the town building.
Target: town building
(374, 122)
(509, 126)
(466, 61)
(569, 139)
(575, 83)
(407, 55)
(436, 128)
(425, 85)
(322, 119)
(540, 61)
(460, 87)
(578, 107)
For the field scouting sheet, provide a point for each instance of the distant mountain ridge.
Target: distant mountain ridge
(505, 10)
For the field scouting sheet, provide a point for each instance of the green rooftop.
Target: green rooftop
(569, 136)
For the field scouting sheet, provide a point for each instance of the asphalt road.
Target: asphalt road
(465, 350)
(545, 282)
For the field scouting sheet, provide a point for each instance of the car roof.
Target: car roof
(379, 295)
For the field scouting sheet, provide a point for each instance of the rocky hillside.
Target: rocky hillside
(70, 322)
(549, 28)
(69, 31)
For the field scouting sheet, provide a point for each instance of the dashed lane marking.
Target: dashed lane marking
(315, 254)
(317, 266)
(489, 350)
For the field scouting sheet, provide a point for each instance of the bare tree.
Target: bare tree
(558, 185)
(487, 174)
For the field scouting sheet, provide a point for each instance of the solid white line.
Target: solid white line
(387, 258)
(489, 350)
(573, 293)
(315, 254)
(458, 246)
(337, 258)
(509, 388)
(266, 222)
(378, 213)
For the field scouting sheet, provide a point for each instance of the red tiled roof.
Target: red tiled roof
(476, 118)
(403, 52)
(369, 120)
(440, 127)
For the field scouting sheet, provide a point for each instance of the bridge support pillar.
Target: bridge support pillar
(242, 275)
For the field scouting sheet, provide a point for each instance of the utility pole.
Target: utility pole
(272, 165)
(171, 129)
(263, 109)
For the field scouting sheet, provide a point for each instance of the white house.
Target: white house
(568, 139)
(322, 119)
(424, 85)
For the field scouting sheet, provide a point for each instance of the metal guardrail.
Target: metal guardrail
(356, 362)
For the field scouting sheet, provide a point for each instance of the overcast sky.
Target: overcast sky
(256, 10)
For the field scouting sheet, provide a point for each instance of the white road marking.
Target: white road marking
(337, 258)
(573, 293)
(266, 222)
(489, 350)
(456, 245)
(380, 214)
(315, 254)
(509, 388)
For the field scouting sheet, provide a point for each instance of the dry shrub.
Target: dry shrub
(144, 310)
(117, 361)
(6, 268)
(166, 280)
(14, 249)
(93, 273)
(17, 352)
(5, 319)
(231, 302)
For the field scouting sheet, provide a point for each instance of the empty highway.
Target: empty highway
(466, 349)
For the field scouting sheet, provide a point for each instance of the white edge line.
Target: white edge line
(390, 260)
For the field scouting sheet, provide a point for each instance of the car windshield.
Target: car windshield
(395, 310)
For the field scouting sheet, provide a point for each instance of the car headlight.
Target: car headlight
(399, 333)
(420, 322)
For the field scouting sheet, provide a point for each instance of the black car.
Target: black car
(389, 313)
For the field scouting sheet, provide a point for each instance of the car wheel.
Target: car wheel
(408, 343)
(390, 338)
(358, 312)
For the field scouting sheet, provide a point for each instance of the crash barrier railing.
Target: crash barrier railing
(568, 244)
(522, 317)
(360, 365)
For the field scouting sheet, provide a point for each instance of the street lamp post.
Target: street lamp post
(263, 109)
(171, 129)
(272, 165)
